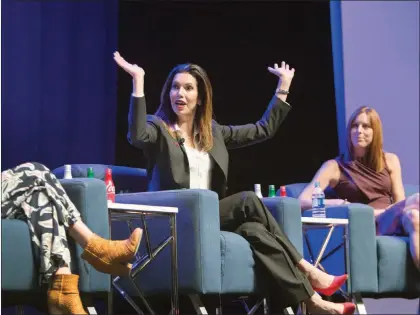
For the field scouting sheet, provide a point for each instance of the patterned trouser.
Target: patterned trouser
(30, 192)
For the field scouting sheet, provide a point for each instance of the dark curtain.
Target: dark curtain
(58, 82)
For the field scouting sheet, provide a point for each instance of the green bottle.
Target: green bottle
(271, 191)
(90, 173)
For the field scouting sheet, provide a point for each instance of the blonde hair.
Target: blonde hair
(204, 112)
(374, 157)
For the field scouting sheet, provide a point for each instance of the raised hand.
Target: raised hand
(284, 72)
(134, 70)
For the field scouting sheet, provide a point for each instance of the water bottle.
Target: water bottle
(257, 190)
(67, 171)
(318, 206)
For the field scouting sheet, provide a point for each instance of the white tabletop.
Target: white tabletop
(141, 208)
(320, 221)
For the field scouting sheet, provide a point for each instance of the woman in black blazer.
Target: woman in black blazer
(185, 148)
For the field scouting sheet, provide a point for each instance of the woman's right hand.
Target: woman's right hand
(135, 71)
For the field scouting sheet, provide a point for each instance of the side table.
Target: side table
(311, 223)
(128, 212)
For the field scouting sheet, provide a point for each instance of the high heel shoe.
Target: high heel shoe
(63, 297)
(349, 308)
(112, 257)
(334, 286)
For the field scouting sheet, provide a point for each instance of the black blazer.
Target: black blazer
(168, 166)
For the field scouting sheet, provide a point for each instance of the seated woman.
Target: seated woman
(30, 192)
(367, 174)
(187, 149)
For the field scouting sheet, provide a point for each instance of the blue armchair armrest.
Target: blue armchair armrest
(287, 213)
(198, 233)
(362, 244)
(89, 197)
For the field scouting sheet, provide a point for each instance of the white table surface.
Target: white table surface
(311, 220)
(141, 208)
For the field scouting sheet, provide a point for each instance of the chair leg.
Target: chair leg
(255, 307)
(360, 306)
(91, 310)
(288, 311)
(20, 310)
(110, 302)
(198, 304)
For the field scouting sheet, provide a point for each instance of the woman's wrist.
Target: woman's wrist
(138, 87)
(283, 85)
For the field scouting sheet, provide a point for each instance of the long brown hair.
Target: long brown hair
(204, 112)
(374, 157)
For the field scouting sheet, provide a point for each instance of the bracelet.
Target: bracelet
(281, 91)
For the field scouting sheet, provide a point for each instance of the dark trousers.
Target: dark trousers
(245, 214)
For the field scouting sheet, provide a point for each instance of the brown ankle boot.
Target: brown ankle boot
(112, 257)
(63, 296)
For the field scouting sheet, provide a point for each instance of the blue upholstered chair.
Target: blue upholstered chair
(19, 268)
(381, 266)
(210, 261)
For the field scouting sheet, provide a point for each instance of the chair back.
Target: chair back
(294, 190)
(126, 179)
(410, 189)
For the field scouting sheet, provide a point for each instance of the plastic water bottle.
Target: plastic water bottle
(318, 205)
(67, 171)
(257, 190)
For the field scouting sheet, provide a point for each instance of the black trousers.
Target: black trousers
(276, 257)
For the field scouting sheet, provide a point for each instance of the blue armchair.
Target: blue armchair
(381, 266)
(19, 268)
(210, 261)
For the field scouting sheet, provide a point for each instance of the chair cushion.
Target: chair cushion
(126, 179)
(294, 190)
(396, 270)
(237, 264)
(19, 272)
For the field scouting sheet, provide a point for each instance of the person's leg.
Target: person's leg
(410, 222)
(247, 207)
(49, 241)
(30, 192)
(289, 282)
(105, 256)
(402, 217)
(245, 214)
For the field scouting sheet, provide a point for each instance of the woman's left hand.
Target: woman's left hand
(284, 73)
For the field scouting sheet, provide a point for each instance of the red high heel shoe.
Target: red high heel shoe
(334, 286)
(349, 308)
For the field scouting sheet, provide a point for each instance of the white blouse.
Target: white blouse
(200, 165)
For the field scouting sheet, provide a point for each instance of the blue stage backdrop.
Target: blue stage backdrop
(58, 81)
